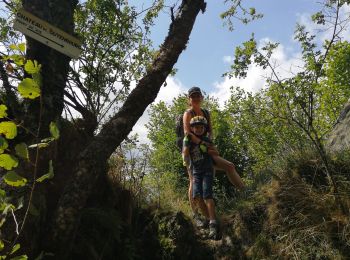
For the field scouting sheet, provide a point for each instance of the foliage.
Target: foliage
(128, 167)
(255, 131)
(239, 12)
(116, 52)
(168, 176)
(293, 112)
(15, 153)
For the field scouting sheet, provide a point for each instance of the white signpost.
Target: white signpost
(47, 34)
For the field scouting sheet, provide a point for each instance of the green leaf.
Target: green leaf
(3, 144)
(48, 175)
(3, 109)
(21, 257)
(2, 207)
(47, 140)
(2, 193)
(32, 67)
(2, 221)
(8, 206)
(15, 248)
(13, 179)
(9, 129)
(14, 47)
(252, 11)
(54, 130)
(8, 161)
(39, 145)
(1, 245)
(22, 47)
(22, 150)
(28, 88)
(20, 203)
(18, 59)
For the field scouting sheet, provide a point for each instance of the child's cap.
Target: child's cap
(198, 120)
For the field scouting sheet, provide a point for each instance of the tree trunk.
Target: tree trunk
(55, 65)
(92, 161)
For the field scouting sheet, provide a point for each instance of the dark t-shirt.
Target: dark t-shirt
(200, 161)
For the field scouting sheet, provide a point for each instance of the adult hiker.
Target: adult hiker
(195, 99)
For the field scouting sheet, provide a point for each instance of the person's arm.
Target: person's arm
(187, 127)
(212, 150)
(210, 127)
(186, 152)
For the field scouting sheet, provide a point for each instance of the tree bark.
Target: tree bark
(55, 65)
(92, 161)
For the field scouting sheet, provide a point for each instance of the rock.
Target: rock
(339, 138)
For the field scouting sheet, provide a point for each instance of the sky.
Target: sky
(210, 50)
(211, 46)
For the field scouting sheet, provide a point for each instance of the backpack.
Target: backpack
(180, 127)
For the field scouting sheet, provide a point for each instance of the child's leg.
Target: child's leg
(197, 194)
(202, 206)
(208, 194)
(211, 209)
(230, 170)
(208, 197)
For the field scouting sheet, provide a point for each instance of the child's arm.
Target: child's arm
(211, 148)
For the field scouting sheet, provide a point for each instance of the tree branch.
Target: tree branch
(92, 161)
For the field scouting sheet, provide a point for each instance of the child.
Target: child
(201, 164)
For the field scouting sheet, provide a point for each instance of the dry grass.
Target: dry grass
(299, 217)
(304, 221)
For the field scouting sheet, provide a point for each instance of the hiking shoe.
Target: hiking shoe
(213, 231)
(199, 222)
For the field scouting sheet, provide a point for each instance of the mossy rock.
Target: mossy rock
(176, 235)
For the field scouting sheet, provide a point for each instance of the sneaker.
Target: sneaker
(213, 231)
(199, 222)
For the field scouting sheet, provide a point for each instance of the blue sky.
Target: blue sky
(202, 62)
(211, 48)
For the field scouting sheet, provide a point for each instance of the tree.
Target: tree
(303, 100)
(90, 156)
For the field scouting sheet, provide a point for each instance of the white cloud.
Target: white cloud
(283, 60)
(173, 88)
(167, 93)
(252, 83)
(324, 32)
(227, 59)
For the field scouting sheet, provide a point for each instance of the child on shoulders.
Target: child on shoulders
(200, 162)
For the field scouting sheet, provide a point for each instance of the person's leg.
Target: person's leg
(210, 205)
(202, 206)
(190, 192)
(208, 197)
(230, 170)
(197, 194)
(208, 194)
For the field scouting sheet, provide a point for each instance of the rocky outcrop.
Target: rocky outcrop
(339, 138)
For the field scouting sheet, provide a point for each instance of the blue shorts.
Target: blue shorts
(203, 185)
